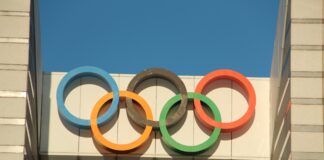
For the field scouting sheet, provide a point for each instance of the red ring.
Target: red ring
(229, 75)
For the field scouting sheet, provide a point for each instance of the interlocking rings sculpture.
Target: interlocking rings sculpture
(165, 121)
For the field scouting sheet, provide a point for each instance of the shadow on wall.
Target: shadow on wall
(155, 134)
(45, 113)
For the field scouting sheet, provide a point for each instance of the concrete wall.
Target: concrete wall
(59, 139)
(296, 88)
(307, 137)
(20, 70)
(280, 86)
(290, 124)
(14, 45)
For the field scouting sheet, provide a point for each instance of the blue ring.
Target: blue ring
(86, 71)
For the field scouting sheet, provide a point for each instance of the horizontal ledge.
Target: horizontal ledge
(12, 94)
(14, 67)
(307, 47)
(307, 74)
(307, 20)
(11, 149)
(307, 128)
(14, 13)
(12, 121)
(122, 75)
(62, 155)
(13, 40)
(307, 101)
(308, 155)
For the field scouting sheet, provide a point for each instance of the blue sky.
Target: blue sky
(188, 37)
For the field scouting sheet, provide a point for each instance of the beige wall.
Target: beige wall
(297, 82)
(14, 35)
(20, 70)
(251, 142)
(307, 137)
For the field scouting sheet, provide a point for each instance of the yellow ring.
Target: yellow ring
(120, 147)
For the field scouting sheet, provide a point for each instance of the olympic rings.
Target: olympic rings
(120, 147)
(133, 112)
(83, 72)
(166, 137)
(164, 121)
(243, 82)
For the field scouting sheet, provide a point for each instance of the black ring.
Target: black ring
(133, 112)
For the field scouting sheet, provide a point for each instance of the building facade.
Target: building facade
(287, 124)
(296, 95)
(21, 80)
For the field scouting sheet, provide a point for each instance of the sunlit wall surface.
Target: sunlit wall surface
(296, 89)
(306, 56)
(20, 82)
(288, 122)
(61, 139)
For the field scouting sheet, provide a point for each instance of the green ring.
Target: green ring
(169, 141)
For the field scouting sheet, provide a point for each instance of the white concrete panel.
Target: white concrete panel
(253, 139)
(13, 80)
(311, 9)
(92, 89)
(13, 107)
(306, 87)
(12, 135)
(14, 26)
(220, 93)
(96, 158)
(132, 157)
(306, 60)
(129, 131)
(165, 91)
(61, 157)
(307, 141)
(14, 5)
(156, 92)
(173, 158)
(12, 156)
(306, 34)
(14, 53)
(307, 114)
(57, 136)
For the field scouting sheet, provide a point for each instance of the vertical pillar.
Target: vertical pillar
(307, 136)
(280, 85)
(19, 70)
